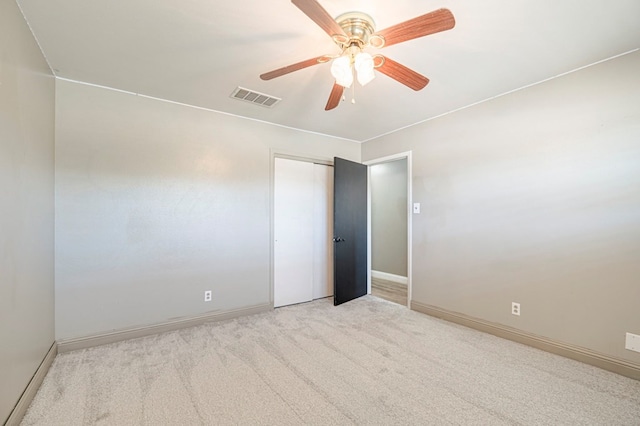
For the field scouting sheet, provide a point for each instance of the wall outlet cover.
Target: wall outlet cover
(515, 308)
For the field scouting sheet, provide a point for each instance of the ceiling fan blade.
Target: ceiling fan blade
(319, 15)
(293, 67)
(334, 97)
(402, 74)
(430, 23)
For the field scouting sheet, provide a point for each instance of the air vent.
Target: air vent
(254, 97)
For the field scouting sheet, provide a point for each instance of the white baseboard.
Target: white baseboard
(32, 388)
(133, 333)
(587, 356)
(389, 277)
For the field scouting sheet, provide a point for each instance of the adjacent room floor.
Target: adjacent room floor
(389, 290)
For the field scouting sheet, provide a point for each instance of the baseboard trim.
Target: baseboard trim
(587, 356)
(389, 277)
(172, 325)
(32, 388)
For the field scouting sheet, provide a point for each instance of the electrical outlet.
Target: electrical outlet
(515, 308)
(207, 296)
(632, 342)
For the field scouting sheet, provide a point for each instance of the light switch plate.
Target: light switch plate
(632, 342)
(416, 207)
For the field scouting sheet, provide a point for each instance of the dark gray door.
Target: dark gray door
(349, 230)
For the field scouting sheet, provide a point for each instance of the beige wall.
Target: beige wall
(158, 202)
(26, 206)
(534, 197)
(388, 192)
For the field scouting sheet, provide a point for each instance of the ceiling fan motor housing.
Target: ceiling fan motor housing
(358, 28)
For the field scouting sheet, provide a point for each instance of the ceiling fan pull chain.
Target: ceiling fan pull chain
(353, 89)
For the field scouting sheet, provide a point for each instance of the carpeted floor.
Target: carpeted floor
(365, 362)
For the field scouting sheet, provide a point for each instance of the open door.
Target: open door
(349, 230)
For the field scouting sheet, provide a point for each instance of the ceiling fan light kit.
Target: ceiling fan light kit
(358, 28)
(342, 67)
(355, 31)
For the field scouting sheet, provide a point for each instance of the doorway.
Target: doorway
(390, 227)
(295, 265)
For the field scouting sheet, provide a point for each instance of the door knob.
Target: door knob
(338, 239)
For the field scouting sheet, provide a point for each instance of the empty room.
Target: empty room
(319, 212)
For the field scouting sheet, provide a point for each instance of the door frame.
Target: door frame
(407, 155)
(273, 154)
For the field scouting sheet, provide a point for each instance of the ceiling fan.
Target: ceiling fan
(355, 31)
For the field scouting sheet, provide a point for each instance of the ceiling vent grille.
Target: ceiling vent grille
(254, 97)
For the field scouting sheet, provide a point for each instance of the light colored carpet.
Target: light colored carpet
(365, 362)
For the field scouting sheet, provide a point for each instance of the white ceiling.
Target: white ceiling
(197, 52)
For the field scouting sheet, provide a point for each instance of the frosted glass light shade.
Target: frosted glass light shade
(341, 71)
(364, 67)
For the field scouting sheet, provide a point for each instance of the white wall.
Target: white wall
(26, 206)
(534, 197)
(158, 202)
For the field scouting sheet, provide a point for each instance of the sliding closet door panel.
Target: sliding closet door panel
(323, 232)
(293, 231)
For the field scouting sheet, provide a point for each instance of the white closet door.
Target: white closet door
(294, 230)
(323, 232)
